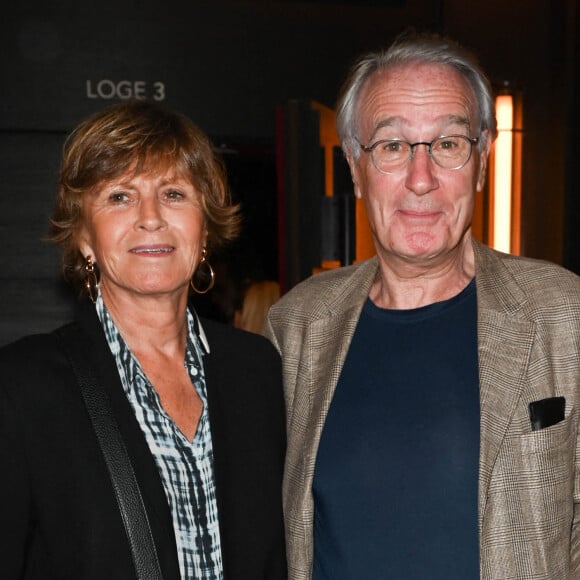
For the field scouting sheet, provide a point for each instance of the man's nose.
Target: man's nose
(421, 169)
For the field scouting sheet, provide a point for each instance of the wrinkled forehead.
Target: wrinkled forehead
(416, 95)
(152, 166)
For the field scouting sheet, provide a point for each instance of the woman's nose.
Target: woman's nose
(150, 213)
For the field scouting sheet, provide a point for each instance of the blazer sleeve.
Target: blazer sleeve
(575, 536)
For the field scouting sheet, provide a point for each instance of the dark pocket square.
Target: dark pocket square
(546, 412)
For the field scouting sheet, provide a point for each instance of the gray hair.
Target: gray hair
(413, 49)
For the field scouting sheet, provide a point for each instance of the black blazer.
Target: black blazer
(58, 512)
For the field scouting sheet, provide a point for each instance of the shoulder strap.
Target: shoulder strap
(116, 457)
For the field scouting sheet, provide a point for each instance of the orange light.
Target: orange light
(502, 178)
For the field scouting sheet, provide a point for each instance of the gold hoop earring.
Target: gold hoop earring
(208, 274)
(91, 282)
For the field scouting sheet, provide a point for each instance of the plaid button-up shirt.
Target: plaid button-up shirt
(185, 467)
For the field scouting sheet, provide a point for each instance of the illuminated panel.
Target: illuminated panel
(502, 178)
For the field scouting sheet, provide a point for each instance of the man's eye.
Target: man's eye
(447, 144)
(393, 146)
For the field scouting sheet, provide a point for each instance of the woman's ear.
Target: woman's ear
(84, 243)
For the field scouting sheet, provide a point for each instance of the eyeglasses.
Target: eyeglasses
(450, 152)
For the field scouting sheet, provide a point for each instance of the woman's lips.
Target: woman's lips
(155, 250)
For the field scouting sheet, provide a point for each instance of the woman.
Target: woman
(142, 200)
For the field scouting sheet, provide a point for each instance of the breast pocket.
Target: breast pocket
(548, 458)
(557, 438)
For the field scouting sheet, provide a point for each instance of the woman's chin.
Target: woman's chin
(152, 288)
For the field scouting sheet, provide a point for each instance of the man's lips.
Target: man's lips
(419, 215)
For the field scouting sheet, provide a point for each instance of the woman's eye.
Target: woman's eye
(118, 196)
(174, 194)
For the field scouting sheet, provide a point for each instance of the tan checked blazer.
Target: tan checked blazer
(529, 349)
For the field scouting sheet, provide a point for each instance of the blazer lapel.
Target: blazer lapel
(327, 341)
(504, 351)
(504, 348)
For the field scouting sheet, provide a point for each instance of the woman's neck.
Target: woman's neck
(149, 323)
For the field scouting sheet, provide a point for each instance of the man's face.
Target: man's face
(420, 213)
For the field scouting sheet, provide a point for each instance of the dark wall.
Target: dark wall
(572, 197)
(32, 296)
(229, 65)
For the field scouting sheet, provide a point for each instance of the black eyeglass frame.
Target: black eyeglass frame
(370, 149)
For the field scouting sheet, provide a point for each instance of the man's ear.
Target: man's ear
(354, 173)
(483, 159)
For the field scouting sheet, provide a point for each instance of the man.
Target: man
(432, 392)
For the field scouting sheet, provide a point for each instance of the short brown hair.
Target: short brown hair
(141, 135)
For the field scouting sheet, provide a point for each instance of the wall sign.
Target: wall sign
(107, 89)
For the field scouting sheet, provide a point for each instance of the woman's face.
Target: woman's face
(145, 232)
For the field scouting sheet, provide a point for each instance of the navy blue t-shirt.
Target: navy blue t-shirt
(396, 479)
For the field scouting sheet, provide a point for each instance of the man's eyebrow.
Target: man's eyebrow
(388, 122)
(458, 120)
(398, 121)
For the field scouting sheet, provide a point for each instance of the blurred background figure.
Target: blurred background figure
(258, 296)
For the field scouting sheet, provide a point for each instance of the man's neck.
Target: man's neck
(404, 284)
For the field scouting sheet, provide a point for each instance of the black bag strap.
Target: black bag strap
(116, 457)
